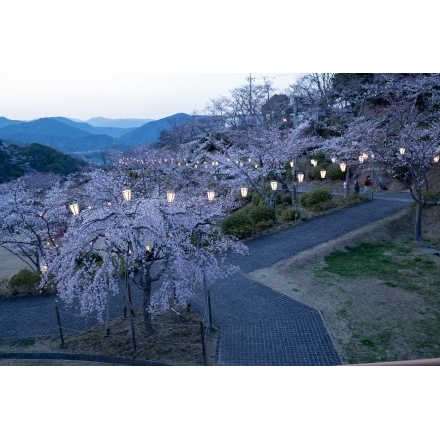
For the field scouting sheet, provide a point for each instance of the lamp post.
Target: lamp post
(300, 178)
(206, 291)
(171, 195)
(274, 187)
(345, 169)
(126, 195)
(244, 191)
(293, 164)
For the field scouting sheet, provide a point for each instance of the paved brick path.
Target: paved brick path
(258, 326)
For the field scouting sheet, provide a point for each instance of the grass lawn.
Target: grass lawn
(377, 289)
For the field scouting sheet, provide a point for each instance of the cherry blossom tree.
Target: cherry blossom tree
(397, 127)
(406, 136)
(151, 238)
(33, 217)
(248, 158)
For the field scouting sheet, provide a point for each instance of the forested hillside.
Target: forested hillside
(16, 161)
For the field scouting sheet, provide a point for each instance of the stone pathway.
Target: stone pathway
(258, 326)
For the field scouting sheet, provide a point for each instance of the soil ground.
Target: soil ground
(172, 342)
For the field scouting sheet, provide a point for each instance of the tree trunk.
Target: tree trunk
(418, 222)
(148, 325)
(37, 261)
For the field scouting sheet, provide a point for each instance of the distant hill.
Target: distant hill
(41, 127)
(5, 122)
(16, 161)
(109, 131)
(117, 123)
(150, 132)
(61, 133)
(84, 139)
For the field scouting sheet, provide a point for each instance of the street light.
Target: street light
(126, 194)
(74, 208)
(314, 162)
(244, 191)
(170, 196)
(300, 177)
(402, 150)
(343, 166)
(436, 158)
(211, 195)
(323, 174)
(274, 187)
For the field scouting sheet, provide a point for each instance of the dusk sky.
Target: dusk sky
(119, 95)
(90, 58)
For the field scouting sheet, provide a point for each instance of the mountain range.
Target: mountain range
(119, 123)
(86, 139)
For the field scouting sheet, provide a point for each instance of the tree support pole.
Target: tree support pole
(59, 326)
(202, 332)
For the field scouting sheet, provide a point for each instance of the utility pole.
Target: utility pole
(250, 80)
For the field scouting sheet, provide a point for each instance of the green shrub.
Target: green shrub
(248, 199)
(264, 224)
(238, 224)
(290, 214)
(315, 172)
(246, 221)
(25, 281)
(261, 213)
(286, 199)
(316, 199)
(324, 206)
(256, 199)
(334, 172)
(431, 196)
